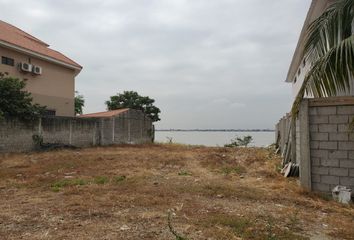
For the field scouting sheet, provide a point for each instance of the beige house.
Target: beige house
(49, 75)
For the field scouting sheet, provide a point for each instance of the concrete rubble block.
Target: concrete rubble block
(342, 194)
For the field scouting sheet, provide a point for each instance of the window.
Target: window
(7, 61)
(49, 112)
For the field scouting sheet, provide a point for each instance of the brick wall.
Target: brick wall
(331, 145)
(130, 127)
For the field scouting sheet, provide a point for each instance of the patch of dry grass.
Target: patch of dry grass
(125, 192)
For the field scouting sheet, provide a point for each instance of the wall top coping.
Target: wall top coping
(331, 101)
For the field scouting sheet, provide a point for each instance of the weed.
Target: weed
(101, 180)
(184, 173)
(118, 179)
(58, 185)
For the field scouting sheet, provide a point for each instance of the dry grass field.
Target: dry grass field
(127, 192)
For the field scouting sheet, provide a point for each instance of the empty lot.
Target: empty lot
(127, 192)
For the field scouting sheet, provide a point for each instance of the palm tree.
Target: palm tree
(330, 47)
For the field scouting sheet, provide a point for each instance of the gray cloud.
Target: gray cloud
(208, 63)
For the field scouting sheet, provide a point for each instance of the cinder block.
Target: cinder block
(337, 154)
(314, 144)
(351, 155)
(330, 128)
(330, 180)
(318, 119)
(316, 162)
(351, 137)
(321, 187)
(328, 145)
(346, 145)
(351, 172)
(313, 111)
(320, 170)
(345, 163)
(345, 110)
(341, 172)
(319, 153)
(338, 137)
(327, 110)
(343, 128)
(313, 128)
(319, 136)
(316, 178)
(347, 181)
(329, 162)
(339, 119)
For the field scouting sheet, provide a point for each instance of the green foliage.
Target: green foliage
(118, 179)
(330, 47)
(184, 173)
(79, 103)
(240, 142)
(131, 99)
(58, 185)
(101, 180)
(16, 102)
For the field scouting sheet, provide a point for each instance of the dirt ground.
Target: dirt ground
(128, 192)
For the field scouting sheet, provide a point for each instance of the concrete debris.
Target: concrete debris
(342, 194)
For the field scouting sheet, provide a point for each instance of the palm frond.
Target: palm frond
(330, 75)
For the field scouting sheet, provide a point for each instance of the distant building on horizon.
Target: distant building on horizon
(49, 75)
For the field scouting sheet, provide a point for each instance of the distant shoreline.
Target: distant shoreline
(214, 130)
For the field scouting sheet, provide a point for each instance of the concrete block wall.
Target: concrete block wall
(130, 127)
(331, 145)
(17, 136)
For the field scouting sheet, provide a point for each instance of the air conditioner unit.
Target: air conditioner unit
(37, 70)
(26, 67)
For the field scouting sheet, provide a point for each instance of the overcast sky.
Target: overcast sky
(207, 63)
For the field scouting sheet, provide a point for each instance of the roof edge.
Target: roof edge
(295, 62)
(35, 54)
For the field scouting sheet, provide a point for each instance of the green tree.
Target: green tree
(16, 102)
(131, 99)
(330, 47)
(79, 103)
